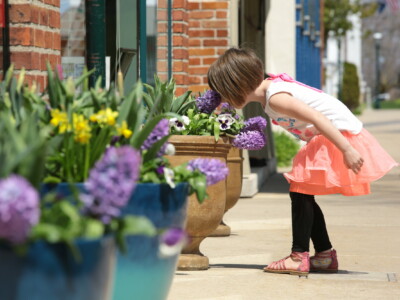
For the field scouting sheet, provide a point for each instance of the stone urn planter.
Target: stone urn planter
(203, 218)
(233, 187)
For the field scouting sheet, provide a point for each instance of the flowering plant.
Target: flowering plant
(251, 136)
(86, 121)
(26, 216)
(158, 169)
(211, 117)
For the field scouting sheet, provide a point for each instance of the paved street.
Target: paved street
(364, 230)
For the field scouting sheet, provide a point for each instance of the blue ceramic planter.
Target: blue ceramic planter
(141, 272)
(49, 271)
(63, 189)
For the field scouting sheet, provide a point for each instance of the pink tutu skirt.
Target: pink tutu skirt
(319, 169)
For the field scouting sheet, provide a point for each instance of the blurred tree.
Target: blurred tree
(351, 86)
(336, 16)
(337, 12)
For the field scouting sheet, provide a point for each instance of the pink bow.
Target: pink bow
(285, 77)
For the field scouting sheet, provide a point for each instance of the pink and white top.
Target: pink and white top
(338, 113)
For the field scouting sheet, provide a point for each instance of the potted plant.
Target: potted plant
(89, 124)
(55, 247)
(202, 131)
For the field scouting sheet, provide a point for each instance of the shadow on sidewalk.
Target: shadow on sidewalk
(275, 183)
(237, 266)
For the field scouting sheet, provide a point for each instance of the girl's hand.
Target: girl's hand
(353, 160)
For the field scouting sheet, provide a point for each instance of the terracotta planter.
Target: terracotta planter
(233, 187)
(203, 218)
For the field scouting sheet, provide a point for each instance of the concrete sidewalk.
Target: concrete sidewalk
(364, 230)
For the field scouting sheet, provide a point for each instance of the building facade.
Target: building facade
(171, 38)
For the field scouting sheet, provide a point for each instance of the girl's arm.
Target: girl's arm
(285, 104)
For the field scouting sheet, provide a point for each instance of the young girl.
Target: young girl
(339, 157)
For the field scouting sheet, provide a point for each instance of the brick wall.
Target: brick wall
(162, 39)
(180, 43)
(34, 37)
(200, 33)
(208, 38)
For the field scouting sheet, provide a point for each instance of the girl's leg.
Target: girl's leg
(302, 221)
(298, 262)
(325, 259)
(319, 234)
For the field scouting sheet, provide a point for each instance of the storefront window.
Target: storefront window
(155, 39)
(136, 40)
(73, 37)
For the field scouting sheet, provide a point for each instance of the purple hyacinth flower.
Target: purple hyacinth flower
(160, 170)
(160, 130)
(111, 182)
(208, 102)
(19, 208)
(227, 108)
(172, 242)
(256, 123)
(214, 169)
(250, 140)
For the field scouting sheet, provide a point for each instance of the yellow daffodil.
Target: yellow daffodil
(81, 129)
(105, 116)
(124, 130)
(60, 119)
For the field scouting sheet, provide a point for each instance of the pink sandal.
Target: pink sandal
(324, 262)
(302, 270)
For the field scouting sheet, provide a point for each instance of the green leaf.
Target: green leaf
(155, 148)
(149, 102)
(80, 80)
(216, 131)
(187, 105)
(51, 179)
(94, 229)
(136, 225)
(199, 185)
(139, 137)
(48, 232)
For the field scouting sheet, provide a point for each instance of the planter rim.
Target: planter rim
(138, 183)
(77, 241)
(195, 139)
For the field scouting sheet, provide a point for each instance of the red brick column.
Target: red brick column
(208, 38)
(162, 39)
(180, 44)
(35, 37)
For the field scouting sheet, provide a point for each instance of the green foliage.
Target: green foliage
(23, 148)
(62, 222)
(285, 148)
(336, 16)
(161, 98)
(351, 86)
(394, 104)
(197, 181)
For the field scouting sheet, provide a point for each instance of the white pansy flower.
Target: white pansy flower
(170, 149)
(179, 125)
(225, 121)
(169, 177)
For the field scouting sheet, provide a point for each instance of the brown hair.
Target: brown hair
(235, 74)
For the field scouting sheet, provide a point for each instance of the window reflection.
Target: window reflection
(73, 34)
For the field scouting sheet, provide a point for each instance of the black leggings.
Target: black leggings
(308, 222)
